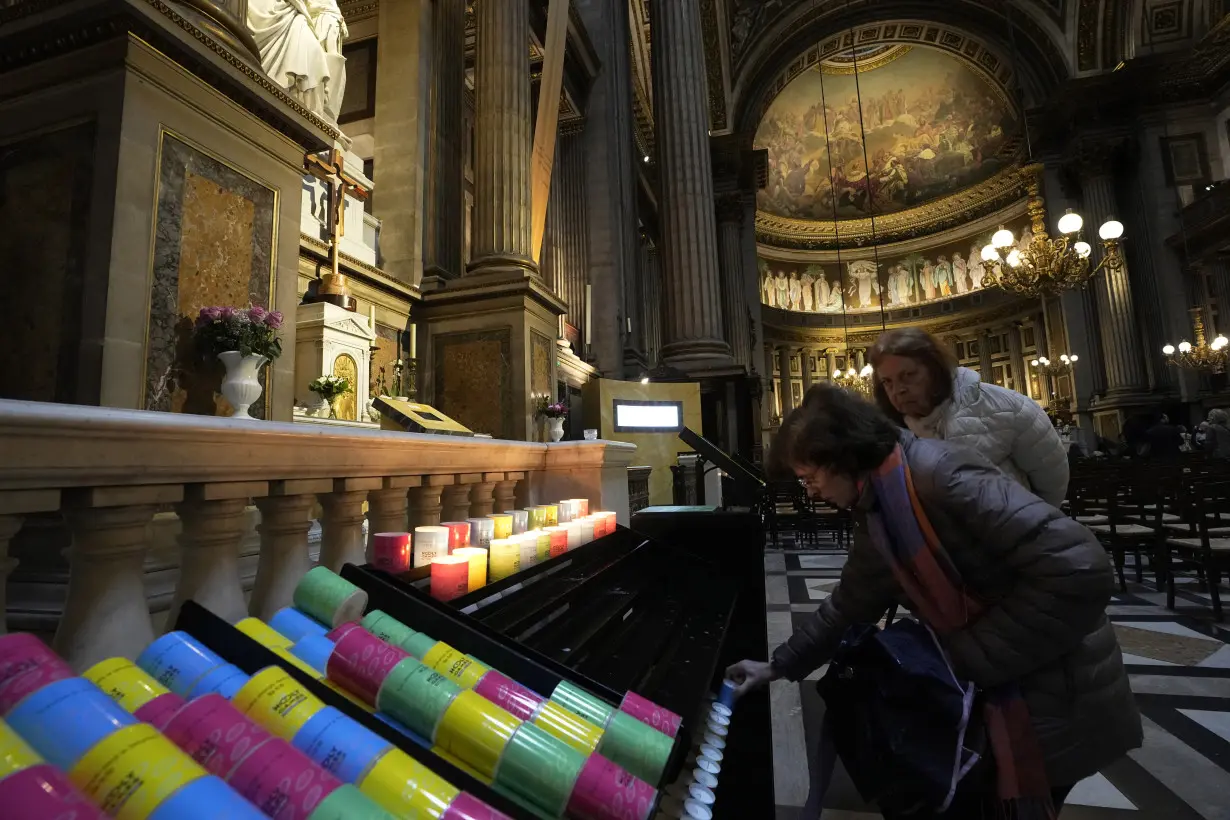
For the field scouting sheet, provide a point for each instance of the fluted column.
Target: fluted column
(830, 355)
(783, 362)
(652, 309)
(1121, 353)
(730, 212)
(984, 356)
(445, 172)
(1219, 272)
(805, 365)
(503, 140)
(690, 273)
(575, 258)
(1017, 355)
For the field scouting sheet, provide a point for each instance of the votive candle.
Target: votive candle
(458, 534)
(477, 556)
(505, 558)
(543, 544)
(482, 530)
(521, 521)
(574, 534)
(391, 551)
(528, 545)
(552, 514)
(502, 523)
(450, 577)
(429, 543)
(559, 540)
(587, 530)
(582, 505)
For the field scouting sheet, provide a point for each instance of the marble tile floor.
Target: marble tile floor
(1179, 664)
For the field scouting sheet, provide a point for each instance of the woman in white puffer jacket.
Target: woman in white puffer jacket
(918, 383)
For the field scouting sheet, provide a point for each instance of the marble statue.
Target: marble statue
(295, 38)
(809, 293)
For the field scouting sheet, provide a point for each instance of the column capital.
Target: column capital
(1093, 156)
(730, 208)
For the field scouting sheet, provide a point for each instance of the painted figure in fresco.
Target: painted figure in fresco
(977, 268)
(796, 291)
(768, 293)
(891, 284)
(863, 275)
(960, 273)
(943, 276)
(926, 278)
(809, 291)
(903, 285)
(822, 289)
(781, 285)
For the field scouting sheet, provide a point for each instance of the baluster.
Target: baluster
(482, 495)
(286, 518)
(341, 525)
(14, 505)
(106, 613)
(213, 521)
(425, 505)
(388, 508)
(506, 492)
(456, 498)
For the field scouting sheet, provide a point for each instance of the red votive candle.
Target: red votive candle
(450, 577)
(559, 540)
(458, 534)
(391, 551)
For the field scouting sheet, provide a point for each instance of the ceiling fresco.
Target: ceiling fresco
(934, 125)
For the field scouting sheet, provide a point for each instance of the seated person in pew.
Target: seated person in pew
(1012, 593)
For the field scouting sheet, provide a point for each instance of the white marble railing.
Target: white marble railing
(108, 472)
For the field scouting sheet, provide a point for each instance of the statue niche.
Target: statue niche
(300, 43)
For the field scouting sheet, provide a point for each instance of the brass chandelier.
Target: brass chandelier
(1047, 266)
(857, 381)
(1202, 356)
(1065, 364)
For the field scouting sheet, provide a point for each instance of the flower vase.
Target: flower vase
(555, 428)
(241, 385)
(333, 406)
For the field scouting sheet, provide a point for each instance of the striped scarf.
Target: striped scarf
(901, 531)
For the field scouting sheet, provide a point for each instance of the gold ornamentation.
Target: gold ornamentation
(343, 406)
(1047, 266)
(879, 61)
(1205, 357)
(963, 206)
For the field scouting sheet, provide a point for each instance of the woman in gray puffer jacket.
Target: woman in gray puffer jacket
(1039, 580)
(919, 386)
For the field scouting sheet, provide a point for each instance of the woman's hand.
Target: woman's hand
(750, 675)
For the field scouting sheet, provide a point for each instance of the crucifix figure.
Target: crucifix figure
(331, 171)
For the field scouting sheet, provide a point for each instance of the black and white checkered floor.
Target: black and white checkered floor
(1179, 664)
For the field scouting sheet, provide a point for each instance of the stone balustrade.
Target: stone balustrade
(106, 473)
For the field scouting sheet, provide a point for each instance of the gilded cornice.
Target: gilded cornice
(952, 211)
(642, 75)
(358, 10)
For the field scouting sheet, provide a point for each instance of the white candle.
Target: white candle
(414, 341)
(528, 544)
(574, 534)
(429, 543)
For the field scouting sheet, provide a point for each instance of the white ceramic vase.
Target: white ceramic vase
(555, 428)
(241, 385)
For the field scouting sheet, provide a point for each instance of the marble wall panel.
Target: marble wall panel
(213, 245)
(474, 380)
(540, 365)
(45, 185)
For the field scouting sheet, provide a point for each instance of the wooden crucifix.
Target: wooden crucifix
(331, 170)
(547, 125)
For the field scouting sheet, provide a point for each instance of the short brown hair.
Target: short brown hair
(833, 429)
(922, 347)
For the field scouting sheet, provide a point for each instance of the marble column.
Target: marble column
(503, 141)
(690, 272)
(984, 357)
(442, 252)
(730, 211)
(611, 160)
(830, 355)
(1219, 272)
(403, 107)
(652, 308)
(1121, 351)
(783, 359)
(1017, 355)
(805, 355)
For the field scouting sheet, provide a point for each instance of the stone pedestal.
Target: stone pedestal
(157, 181)
(332, 341)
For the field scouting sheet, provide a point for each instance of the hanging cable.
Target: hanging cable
(841, 276)
(862, 126)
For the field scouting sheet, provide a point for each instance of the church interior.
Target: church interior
(316, 293)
